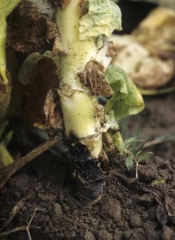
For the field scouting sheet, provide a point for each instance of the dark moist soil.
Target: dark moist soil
(128, 210)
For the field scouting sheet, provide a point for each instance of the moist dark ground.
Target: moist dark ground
(127, 211)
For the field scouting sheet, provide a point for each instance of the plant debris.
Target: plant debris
(8, 171)
(25, 39)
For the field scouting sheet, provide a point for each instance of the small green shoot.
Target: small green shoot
(131, 157)
(128, 142)
(158, 180)
(140, 157)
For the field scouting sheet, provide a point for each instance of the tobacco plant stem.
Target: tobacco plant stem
(78, 106)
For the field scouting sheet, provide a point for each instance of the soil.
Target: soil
(128, 209)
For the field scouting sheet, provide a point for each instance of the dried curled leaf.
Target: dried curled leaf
(111, 50)
(109, 142)
(29, 30)
(52, 110)
(57, 46)
(93, 76)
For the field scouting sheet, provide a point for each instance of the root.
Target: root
(22, 228)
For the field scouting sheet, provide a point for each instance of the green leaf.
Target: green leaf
(118, 141)
(103, 17)
(127, 143)
(127, 100)
(143, 156)
(6, 7)
(129, 162)
(111, 121)
(28, 65)
(5, 157)
(158, 181)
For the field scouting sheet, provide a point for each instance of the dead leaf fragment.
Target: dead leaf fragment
(109, 142)
(29, 30)
(52, 111)
(8, 171)
(93, 76)
(57, 46)
(111, 50)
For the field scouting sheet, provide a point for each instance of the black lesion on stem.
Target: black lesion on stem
(86, 175)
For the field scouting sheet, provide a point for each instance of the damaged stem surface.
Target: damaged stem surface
(80, 107)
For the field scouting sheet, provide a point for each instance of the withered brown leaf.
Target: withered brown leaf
(111, 50)
(29, 30)
(93, 76)
(52, 110)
